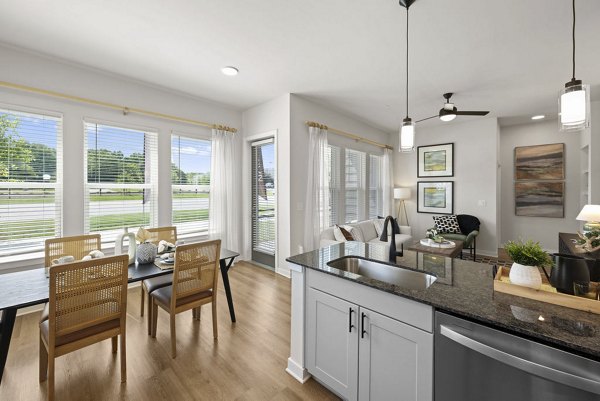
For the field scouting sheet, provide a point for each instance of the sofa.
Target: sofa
(367, 232)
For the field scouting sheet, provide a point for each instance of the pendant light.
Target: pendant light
(574, 99)
(407, 130)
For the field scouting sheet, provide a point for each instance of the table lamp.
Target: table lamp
(591, 215)
(402, 194)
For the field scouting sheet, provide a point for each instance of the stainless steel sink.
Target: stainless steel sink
(399, 276)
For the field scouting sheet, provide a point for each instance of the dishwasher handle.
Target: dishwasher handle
(514, 361)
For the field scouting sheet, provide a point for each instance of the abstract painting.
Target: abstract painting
(540, 162)
(436, 160)
(435, 197)
(540, 198)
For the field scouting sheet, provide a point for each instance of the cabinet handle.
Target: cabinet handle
(362, 326)
(350, 325)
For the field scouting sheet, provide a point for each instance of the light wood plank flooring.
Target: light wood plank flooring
(247, 363)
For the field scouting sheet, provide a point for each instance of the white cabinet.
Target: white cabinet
(395, 360)
(361, 354)
(331, 353)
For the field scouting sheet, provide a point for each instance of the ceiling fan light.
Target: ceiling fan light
(574, 106)
(447, 115)
(407, 136)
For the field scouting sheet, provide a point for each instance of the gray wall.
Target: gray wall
(542, 229)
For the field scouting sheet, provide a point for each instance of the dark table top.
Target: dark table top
(465, 289)
(30, 287)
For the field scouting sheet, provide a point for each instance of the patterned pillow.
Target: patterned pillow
(357, 235)
(378, 226)
(447, 224)
(341, 234)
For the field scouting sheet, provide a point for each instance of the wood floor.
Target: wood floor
(247, 363)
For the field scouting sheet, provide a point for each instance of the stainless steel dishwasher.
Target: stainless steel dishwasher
(477, 363)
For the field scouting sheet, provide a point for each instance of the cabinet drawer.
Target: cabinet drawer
(397, 307)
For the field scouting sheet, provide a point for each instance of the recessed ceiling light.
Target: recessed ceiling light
(231, 71)
(538, 117)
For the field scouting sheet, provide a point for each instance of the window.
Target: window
(355, 191)
(375, 189)
(121, 178)
(355, 185)
(190, 179)
(30, 180)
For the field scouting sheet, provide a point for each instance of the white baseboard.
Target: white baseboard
(297, 372)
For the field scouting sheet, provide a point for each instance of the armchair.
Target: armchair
(469, 227)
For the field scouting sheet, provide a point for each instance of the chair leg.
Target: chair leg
(154, 319)
(123, 358)
(214, 320)
(173, 338)
(197, 313)
(43, 361)
(51, 376)
(194, 312)
(149, 314)
(114, 344)
(142, 300)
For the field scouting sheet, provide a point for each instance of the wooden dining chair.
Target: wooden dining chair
(168, 234)
(77, 246)
(88, 304)
(194, 284)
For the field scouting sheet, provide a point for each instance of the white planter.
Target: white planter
(526, 276)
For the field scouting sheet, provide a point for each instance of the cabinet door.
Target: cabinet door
(332, 342)
(396, 360)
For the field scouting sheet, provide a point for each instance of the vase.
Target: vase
(526, 276)
(131, 245)
(146, 253)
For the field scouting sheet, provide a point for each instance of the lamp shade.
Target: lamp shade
(401, 193)
(407, 136)
(589, 213)
(574, 105)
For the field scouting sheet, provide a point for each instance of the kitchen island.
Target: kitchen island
(462, 288)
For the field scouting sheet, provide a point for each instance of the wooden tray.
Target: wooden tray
(546, 293)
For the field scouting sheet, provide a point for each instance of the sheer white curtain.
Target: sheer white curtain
(387, 183)
(317, 188)
(222, 208)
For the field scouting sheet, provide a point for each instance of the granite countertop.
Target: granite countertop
(465, 289)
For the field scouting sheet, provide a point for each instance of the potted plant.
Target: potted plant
(527, 257)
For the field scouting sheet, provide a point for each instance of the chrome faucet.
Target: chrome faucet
(384, 237)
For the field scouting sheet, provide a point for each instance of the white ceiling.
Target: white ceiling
(511, 56)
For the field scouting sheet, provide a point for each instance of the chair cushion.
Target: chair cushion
(447, 224)
(468, 223)
(451, 236)
(154, 283)
(163, 296)
(45, 312)
(80, 334)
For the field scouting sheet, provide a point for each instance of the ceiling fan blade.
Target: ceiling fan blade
(472, 113)
(428, 118)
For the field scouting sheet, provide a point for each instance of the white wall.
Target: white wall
(38, 71)
(594, 162)
(270, 117)
(475, 175)
(303, 110)
(542, 229)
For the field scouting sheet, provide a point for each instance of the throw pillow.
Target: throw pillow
(378, 226)
(447, 224)
(341, 234)
(355, 232)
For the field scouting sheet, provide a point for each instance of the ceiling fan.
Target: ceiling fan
(449, 111)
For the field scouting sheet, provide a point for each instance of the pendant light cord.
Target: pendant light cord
(407, 60)
(573, 39)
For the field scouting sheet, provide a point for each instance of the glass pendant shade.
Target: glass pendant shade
(574, 106)
(407, 136)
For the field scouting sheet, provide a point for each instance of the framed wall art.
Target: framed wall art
(435, 197)
(540, 198)
(540, 162)
(435, 160)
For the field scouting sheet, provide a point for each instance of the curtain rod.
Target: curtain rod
(348, 135)
(124, 109)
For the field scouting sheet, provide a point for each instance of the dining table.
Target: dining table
(31, 287)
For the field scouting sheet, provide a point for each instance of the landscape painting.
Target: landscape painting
(540, 162)
(435, 160)
(540, 199)
(435, 197)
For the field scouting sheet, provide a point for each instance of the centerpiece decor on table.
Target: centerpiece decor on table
(146, 251)
(588, 242)
(527, 257)
(433, 235)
